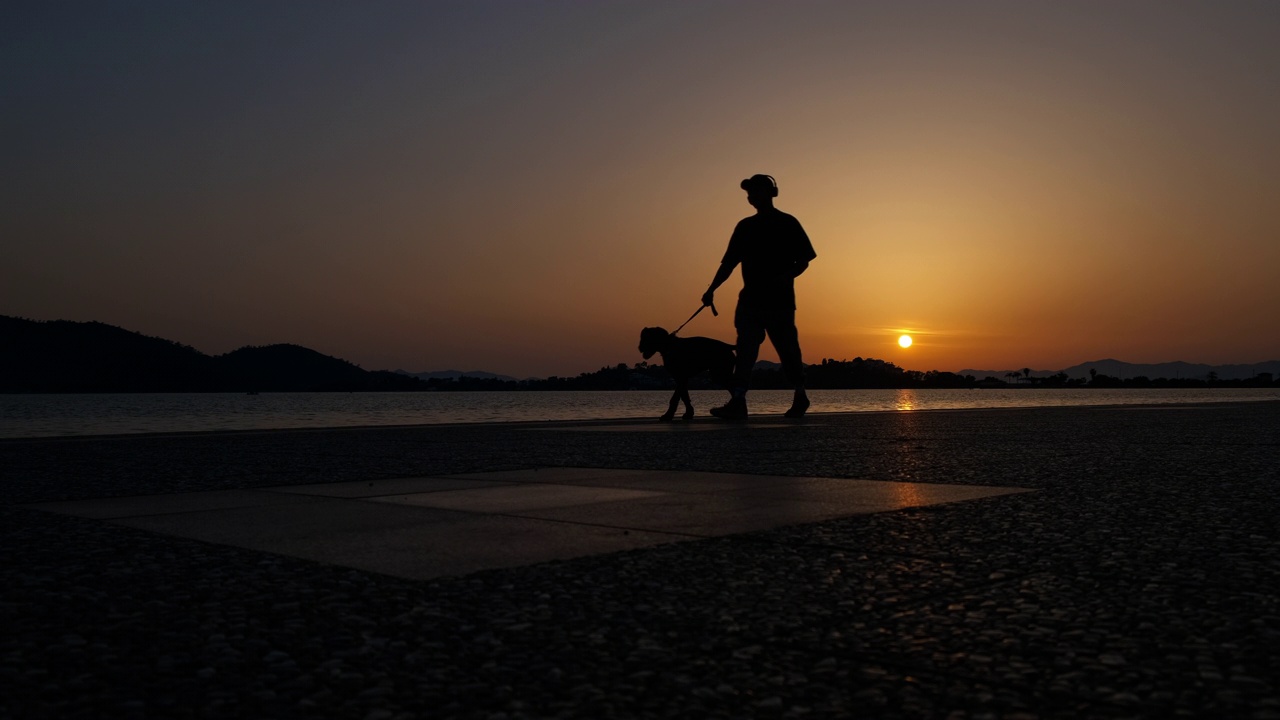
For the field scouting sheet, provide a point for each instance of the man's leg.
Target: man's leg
(751, 333)
(786, 340)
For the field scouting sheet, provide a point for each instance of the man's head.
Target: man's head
(761, 190)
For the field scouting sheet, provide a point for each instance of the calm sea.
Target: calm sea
(106, 414)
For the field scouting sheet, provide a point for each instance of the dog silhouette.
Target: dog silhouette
(684, 358)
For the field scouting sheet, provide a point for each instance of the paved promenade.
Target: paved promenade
(1054, 563)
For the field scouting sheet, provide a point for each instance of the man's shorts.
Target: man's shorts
(753, 321)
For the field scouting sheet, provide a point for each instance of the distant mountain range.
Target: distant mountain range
(455, 374)
(62, 356)
(1123, 370)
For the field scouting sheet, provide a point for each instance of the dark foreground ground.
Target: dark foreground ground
(1142, 579)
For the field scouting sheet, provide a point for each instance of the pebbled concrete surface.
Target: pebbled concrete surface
(1142, 580)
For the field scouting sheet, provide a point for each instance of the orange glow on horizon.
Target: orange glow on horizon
(1031, 186)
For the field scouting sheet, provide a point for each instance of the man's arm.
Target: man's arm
(722, 274)
(804, 250)
(732, 256)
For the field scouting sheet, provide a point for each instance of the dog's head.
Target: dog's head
(653, 340)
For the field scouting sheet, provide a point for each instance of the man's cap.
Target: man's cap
(760, 183)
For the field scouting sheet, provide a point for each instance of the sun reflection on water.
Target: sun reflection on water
(905, 399)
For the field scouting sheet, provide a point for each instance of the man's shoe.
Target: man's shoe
(735, 409)
(798, 406)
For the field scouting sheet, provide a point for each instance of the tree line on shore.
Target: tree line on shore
(859, 373)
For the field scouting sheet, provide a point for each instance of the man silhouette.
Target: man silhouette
(773, 250)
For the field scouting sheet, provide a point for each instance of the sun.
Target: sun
(904, 341)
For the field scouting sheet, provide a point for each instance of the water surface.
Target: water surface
(109, 414)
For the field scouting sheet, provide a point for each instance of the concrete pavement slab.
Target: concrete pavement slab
(654, 480)
(559, 475)
(143, 505)
(432, 526)
(412, 542)
(715, 515)
(389, 486)
(507, 499)
(892, 495)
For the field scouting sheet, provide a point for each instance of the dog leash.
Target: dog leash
(695, 314)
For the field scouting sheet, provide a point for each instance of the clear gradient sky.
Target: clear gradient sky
(522, 186)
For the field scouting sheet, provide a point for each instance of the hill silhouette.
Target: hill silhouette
(293, 368)
(93, 357)
(63, 356)
(1169, 370)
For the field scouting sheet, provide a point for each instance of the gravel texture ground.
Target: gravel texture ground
(1141, 580)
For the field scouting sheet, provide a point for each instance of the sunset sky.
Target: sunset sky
(520, 187)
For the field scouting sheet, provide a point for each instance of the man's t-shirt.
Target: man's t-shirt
(769, 245)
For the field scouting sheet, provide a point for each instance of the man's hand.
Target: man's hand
(708, 297)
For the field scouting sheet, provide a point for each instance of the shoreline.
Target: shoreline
(280, 425)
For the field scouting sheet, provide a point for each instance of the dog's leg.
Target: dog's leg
(683, 389)
(671, 408)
